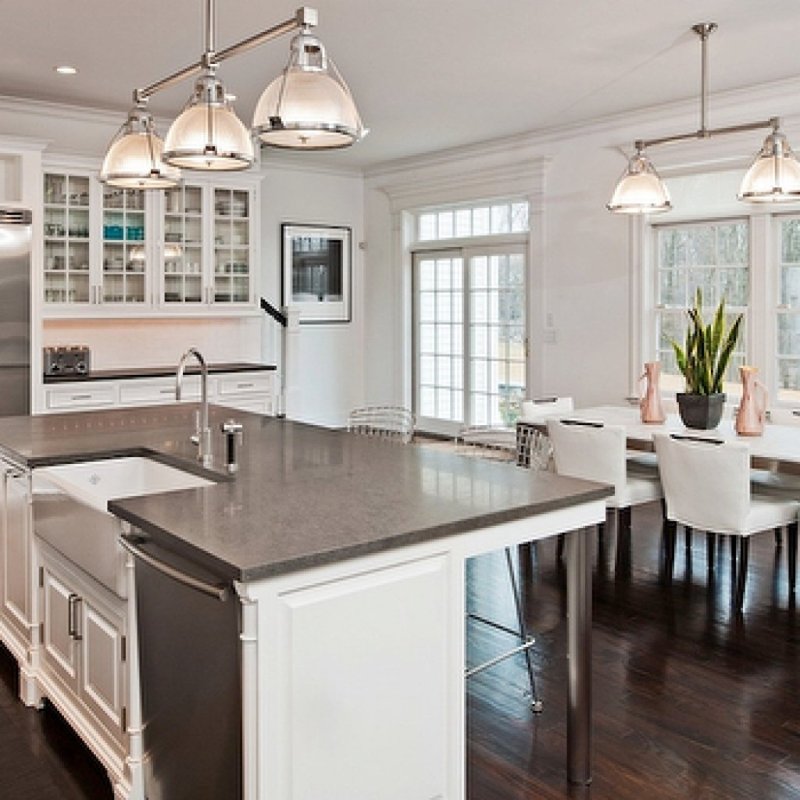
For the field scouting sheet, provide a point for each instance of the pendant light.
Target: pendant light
(134, 157)
(773, 177)
(640, 190)
(208, 135)
(308, 106)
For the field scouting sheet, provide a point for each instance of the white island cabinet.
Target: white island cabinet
(353, 673)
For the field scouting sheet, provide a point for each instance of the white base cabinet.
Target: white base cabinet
(247, 391)
(83, 665)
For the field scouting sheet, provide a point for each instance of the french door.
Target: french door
(470, 336)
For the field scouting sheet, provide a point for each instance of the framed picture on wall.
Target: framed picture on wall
(316, 271)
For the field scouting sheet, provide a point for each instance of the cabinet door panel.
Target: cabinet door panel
(101, 674)
(371, 724)
(60, 649)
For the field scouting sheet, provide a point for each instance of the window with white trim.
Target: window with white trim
(788, 311)
(466, 222)
(713, 257)
(470, 329)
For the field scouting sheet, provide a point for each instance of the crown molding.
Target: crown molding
(724, 108)
(418, 188)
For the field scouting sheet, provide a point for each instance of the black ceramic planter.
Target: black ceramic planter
(701, 411)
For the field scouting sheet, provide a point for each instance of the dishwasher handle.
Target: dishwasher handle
(217, 591)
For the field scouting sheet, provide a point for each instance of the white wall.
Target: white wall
(325, 376)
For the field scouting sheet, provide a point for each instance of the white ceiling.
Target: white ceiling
(426, 74)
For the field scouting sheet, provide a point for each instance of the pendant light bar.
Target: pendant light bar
(304, 17)
(774, 175)
(318, 112)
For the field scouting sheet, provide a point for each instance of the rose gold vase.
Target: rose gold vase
(650, 402)
(753, 407)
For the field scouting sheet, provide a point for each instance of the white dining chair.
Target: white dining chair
(707, 487)
(596, 452)
(541, 407)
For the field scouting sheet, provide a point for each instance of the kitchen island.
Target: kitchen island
(347, 555)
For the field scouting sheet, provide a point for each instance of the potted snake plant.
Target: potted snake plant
(703, 360)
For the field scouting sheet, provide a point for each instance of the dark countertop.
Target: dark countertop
(304, 496)
(155, 372)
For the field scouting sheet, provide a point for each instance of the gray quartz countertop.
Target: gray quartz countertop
(304, 496)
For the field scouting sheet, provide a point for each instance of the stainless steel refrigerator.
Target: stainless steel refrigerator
(15, 311)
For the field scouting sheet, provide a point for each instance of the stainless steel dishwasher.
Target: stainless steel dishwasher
(189, 656)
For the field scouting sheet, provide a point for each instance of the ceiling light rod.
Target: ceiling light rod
(704, 30)
(304, 17)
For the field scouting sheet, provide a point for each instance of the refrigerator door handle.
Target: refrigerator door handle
(218, 591)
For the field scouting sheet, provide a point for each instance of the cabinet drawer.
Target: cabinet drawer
(81, 396)
(161, 391)
(246, 383)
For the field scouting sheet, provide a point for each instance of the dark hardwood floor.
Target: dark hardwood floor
(689, 700)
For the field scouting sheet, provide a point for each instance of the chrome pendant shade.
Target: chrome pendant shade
(308, 106)
(640, 190)
(773, 177)
(208, 135)
(134, 159)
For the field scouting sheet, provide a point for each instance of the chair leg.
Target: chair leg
(560, 547)
(525, 638)
(711, 540)
(687, 537)
(778, 537)
(741, 572)
(670, 535)
(791, 555)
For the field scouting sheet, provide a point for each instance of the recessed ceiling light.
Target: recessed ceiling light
(65, 69)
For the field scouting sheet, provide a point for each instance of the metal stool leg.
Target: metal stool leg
(526, 640)
(525, 637)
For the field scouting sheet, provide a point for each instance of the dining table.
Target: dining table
(778, 447)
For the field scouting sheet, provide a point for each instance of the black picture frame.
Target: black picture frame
(316, 277)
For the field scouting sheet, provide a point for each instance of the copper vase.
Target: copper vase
(650, 402)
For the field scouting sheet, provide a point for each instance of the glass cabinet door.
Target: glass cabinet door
(66, 239)
(124, 254)
(184, 209)
(232, 276)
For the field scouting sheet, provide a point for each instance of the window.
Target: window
(713, 257)
(470, 316)
(788, 344)
(460, 222)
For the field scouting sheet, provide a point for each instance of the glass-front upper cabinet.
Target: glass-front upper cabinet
(207, 246)
(114, 252)
(124, 278)
(231, 246)
(184, 211)
(66, 239)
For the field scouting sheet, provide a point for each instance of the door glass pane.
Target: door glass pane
(497, 356)
(438, 340)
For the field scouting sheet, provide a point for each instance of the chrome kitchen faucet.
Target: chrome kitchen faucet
(202, 434)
